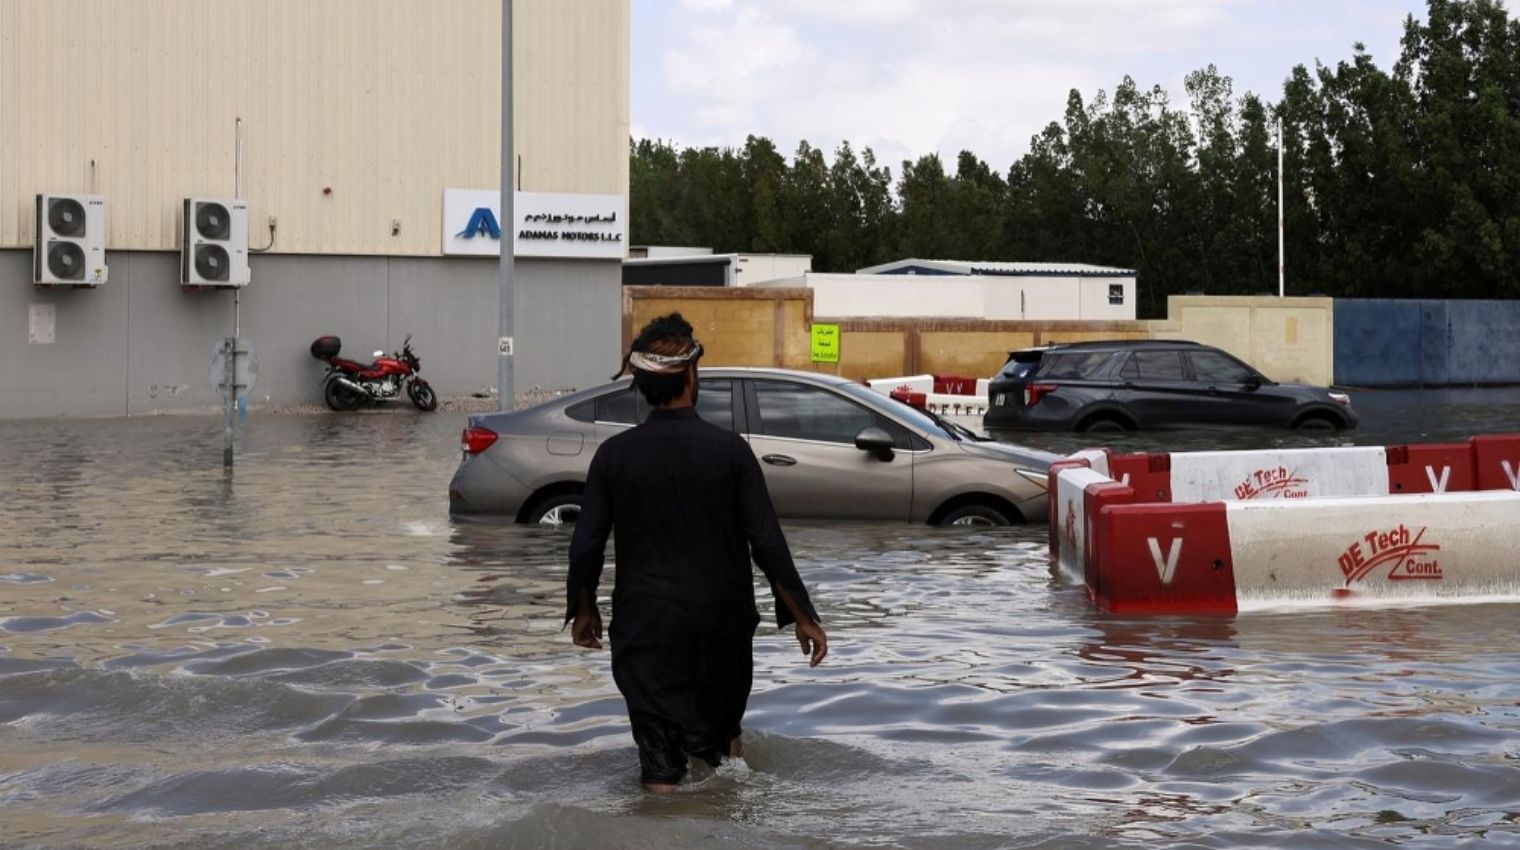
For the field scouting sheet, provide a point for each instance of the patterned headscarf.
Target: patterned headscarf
(661, 364)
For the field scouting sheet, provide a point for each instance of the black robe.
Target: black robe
(688, 505)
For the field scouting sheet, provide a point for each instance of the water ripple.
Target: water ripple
(311, 654)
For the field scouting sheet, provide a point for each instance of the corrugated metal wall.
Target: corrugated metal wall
(1400, 343)
(384, 102)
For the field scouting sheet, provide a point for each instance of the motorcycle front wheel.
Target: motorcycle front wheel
(423, 397)
(341, 398)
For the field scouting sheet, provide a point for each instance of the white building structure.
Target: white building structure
(674, 266)
(973, 290)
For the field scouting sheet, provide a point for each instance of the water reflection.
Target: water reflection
(313, 655)
(516, 574)
(1162, 649)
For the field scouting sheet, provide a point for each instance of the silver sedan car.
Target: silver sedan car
(830, 449)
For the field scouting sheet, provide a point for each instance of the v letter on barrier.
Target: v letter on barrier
(1438, 485)
(1166, 567)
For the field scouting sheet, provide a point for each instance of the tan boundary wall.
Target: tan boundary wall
(1287, 339)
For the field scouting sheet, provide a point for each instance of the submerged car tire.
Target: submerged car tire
(979, 515)
(422, 396)
(1318, 422)
(341, 398)
(557, 511)
(1103, 424)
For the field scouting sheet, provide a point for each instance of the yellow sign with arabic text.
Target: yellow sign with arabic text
(825, 343)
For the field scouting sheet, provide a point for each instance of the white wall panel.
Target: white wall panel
(385, 102)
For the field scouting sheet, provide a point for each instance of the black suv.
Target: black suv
(1124, 386)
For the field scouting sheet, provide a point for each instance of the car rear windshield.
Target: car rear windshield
(1020, 367)
(1074, 365)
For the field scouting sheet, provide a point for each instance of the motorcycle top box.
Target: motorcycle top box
(325, 347)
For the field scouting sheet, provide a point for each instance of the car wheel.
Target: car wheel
(1316, 423)
(1103, 425)
(556, 511)
(341, 398)
(984, 516)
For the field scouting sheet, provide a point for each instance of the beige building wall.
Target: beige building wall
(1287, 339)
(357, 113)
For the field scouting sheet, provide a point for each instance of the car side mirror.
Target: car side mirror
(876, 441)
(1253, 382)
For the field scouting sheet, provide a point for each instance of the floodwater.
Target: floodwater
(313, 655)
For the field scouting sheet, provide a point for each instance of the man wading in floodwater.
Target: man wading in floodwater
(688, 504)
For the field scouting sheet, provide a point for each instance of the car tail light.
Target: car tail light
(1034, 392)
(477, 439)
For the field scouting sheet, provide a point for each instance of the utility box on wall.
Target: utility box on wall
(214, 243)
(69, 240)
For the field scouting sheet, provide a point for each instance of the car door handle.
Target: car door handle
(780, 460)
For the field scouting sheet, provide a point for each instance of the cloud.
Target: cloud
(909, 77)
(872, 13)
(736, 57)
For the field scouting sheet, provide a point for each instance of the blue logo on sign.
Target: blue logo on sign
(482, 223)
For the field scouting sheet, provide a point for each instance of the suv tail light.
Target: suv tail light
(1034, 392)
(477, 439)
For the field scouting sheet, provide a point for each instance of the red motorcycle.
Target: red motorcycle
(349, 385)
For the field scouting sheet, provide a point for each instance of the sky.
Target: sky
(910, 77)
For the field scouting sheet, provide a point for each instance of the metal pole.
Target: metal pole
(229, 345)
(229, 349)
(505, 347)
(237, 193)
(1282, 269)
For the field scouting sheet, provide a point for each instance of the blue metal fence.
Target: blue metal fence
(1394, 343)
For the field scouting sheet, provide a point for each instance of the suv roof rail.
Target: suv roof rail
(1112, 343)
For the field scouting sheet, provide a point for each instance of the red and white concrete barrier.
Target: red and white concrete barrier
(1483, 463)
(925, 390)
(1215, 531)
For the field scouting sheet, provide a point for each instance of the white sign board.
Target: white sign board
(40, 325)
(546, 224)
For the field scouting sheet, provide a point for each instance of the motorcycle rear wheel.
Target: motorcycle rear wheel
(341, 398)
(423, 397)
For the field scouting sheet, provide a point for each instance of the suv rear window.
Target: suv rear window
(1076, 365)
(1154, 366)
(1020, 366)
